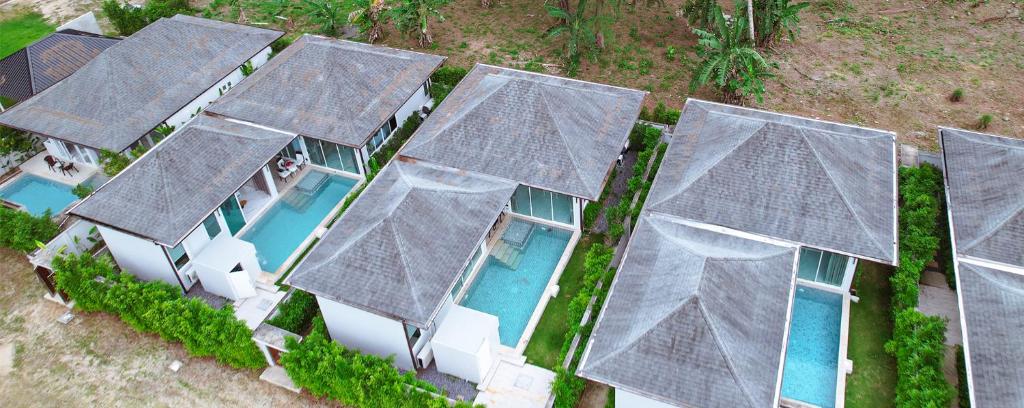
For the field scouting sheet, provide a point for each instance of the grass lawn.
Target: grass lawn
(873, 382)
(21, 30)
(546, 343)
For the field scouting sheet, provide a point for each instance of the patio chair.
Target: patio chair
(287, 164)
(51, 162)
(300, 159)
(283, 174)
(68, 167)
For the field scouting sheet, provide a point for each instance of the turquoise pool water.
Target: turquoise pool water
(38, 194)
(812, 357)
(280, 231)
(512, 294)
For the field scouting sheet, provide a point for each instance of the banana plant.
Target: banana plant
(413, 16)
(729, 62)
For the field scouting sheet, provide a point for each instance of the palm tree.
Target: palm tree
(730, 62)
(579, 31)
(413, 15)
(370, 16)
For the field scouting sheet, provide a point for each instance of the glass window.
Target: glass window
(562, 205)
(541, 201)
(178, 256)
(316, 154)
(212, 226)
(809, 260)
(348, 159)
(521, 200)
(332, 157)
(393, 123)
(413, 333)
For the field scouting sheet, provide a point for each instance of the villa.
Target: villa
(985, 196)
(344, 98)
(128, 96)
(47, 61)
(734, 289)
(447, 259)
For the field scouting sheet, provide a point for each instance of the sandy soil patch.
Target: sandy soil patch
(97, 360)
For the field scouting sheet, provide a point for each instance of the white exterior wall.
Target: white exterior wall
(184, 115)
(366, 331)
(625, 399)
(141, 257)
(411, 106)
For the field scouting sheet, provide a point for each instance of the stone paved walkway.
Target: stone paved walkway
(936, 299)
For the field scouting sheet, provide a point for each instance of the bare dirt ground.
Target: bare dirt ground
(99, 361)
(57, 11)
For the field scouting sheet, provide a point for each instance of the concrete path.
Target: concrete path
(936, 299)
(517, 386)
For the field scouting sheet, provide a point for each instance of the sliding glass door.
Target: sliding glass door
(823, 267)
(542, 204)
(331, 155)
(233, 214)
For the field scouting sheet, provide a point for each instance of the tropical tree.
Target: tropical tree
(370, 17)
(580, 32)
(729, 60)
(328, 14)
(413, 16)
(700, 13)
(774, 18)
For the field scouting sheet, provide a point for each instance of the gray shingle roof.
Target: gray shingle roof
(821, 184)
(47, 61)
(986, 194)
(139, 82)
(543, 131)
(694, 318)
(183, 179)
(339, 91)
(400, 247)
(993, 303)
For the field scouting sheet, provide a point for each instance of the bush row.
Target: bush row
(327, 369)
(444, 80)
(567, 387)
(395, 142)
(648, 138)
(661, 114)
(21, 231)
(157, 307)
(127, 18)
(918, 340)
(593, 210)
(296, 313)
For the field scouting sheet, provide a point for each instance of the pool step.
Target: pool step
(298, 199)
(507, 254)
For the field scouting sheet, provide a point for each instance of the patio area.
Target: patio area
(513, 385)
(37, 166)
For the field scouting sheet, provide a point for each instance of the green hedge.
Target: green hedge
(918, 340)
(128, 19)
(296, 313)
(156, 307)
(444, 80)
(649, 138)
(961, 373)
(593, 210)
(327, 369)
(661, 114)
(395, 142)
(567, 388)
(21, 231)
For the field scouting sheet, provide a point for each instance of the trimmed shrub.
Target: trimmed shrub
(395, 142)
(963, 389)
(444, 80)
(21, 231)
(918, 340)
(327, 369)
(82, 190)
(296, 313)
(661, 114)
(156, 307)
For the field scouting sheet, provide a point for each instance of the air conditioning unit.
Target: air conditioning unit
(425, 356)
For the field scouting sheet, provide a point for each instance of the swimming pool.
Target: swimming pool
(280, 231)
(37, 194)
(512, 294)
(812, 357)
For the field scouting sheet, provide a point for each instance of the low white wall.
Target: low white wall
(184, 115)
(141, 257)
(367, 332)
(625, 399)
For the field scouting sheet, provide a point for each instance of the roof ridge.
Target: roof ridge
(455, 119)
(846, 200)
(681, 188)
(561, 135)
(721, 349)
(984, 237)
(645, 333)
(400, 243)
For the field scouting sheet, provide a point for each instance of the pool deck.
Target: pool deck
(271, 278)
(37, 166)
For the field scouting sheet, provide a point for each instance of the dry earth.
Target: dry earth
(97, 360)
